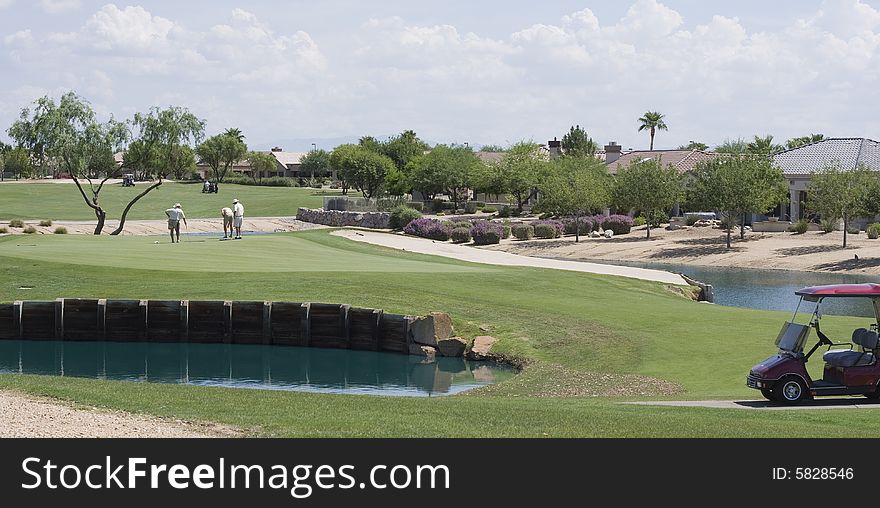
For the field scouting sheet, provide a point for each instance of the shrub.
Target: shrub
(487, 233)
(45, 223)
(556, 228)
(30, 230)
(504, 212)
(3, 230)
(545, 216)
(489, 209)
(415, 205)
(461, 235)
(522, 231)
(799, 227)
(16, 223)
(656, 219)
(690, 220)
(728, 222)
(873, 231)
(470, 207)
(274, 181)
(60, 230)
(619, 224)
(577, 225)
(639, 221)
(505, 231)
(402, 215)
(436, 205)
(428, 228)
(853, 230)
(479, 204)
(828, 225)
(462, 224)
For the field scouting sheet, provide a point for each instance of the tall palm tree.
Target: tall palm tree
(652, 122)
(763, 146)
(235, 133)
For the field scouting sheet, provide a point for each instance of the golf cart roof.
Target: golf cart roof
(814, 293)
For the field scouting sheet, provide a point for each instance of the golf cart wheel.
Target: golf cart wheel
(874, 395)
(790, 390)
(768, 394)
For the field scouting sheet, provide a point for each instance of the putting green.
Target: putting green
(257, 253)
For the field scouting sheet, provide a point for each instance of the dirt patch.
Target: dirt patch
(27, 416)
(552, 380)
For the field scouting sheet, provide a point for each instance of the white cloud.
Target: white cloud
(6, 3)
(59, 6)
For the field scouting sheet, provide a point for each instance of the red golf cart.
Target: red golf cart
(851, 368)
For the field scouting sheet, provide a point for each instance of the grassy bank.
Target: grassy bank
(62, 201)
(573, 325)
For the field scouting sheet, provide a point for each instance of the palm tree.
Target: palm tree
(804, 140)
(763, 146)
(652, 121)
(235, 133)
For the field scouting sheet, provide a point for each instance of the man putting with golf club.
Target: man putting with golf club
(175, 215)
(237, 217)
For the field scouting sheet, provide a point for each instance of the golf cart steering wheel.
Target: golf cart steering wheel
(823, 339)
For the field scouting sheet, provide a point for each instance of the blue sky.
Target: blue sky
(289, 73)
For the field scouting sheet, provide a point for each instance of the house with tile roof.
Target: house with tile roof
(682, 160)
(287, 164)
(801, 163)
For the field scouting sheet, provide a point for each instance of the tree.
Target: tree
(835, 193)
(261, 162)
(315, 162)
(737, 185)
(575, 187)
(520, 168)
(447, 169)
(649, 186)
(763, 145)
(652, 121)
(362, 168)
(403, 148)
(577, 143)
(737, 146)
(222, 151)
(694, 145)
(492, 148)
(803, 140)
(235, 133)
(18, 162)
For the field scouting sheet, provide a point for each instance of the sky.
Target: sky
(479, 72)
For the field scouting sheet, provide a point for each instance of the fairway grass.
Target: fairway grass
(573, 324)
(62, 201)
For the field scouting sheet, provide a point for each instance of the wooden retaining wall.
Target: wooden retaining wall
(210, 322)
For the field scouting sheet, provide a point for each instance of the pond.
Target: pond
(766, 289)
(260, 367)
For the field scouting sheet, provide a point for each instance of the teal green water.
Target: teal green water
(258, 367)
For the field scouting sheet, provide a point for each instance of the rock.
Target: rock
(595, 234)
(338, 218)
(486, 328)
(481, 347)
(429, 329)
(452, 347)
(609, 233)
(422, 351)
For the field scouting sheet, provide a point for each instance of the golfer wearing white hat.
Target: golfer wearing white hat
(237, 217)
(175, 215)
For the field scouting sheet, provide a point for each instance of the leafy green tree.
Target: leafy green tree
(362, 168)
(803, 140)
(652, 121)
(575, 187)
(341, 161)
(576, 143)
(220, 152)
(737, 185)
(521, 170)
(694, 145)
(261, 162)
(403, 148)
(763, 145)
(649, 186)
(446, 169)
(370, 143)
(737, 146)
(835, 194)
(316, 163)
(396, 182)
(18, 162)
(492, 148)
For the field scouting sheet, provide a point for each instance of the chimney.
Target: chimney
(277, 149)
(554, 148)
(612, 152)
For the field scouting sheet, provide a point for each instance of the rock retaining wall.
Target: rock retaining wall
(337, 218)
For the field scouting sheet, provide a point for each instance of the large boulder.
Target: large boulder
(429, 329)
(454, 347)
(425, 352)
(481, 347)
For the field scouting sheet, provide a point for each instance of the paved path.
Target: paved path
(475, 255)
(843, 403)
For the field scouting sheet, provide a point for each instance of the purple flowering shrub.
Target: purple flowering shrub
(429, 228)
(486, 233)
(620, 224)
(548, 228)
(578, 225)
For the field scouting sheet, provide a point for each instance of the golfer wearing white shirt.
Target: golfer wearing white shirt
(175, 215)
(237, 217)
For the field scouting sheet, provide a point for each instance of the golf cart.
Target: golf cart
(128, 180)
(851, 368)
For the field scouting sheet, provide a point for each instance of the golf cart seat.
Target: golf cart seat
(867, 339)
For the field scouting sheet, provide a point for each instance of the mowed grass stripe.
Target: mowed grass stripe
(256, 253)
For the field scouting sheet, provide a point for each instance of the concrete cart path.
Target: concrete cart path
(842, 403)
(474, 255)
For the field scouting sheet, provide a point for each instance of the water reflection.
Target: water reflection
(240, 366)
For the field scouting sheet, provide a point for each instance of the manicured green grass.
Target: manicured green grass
(62, 201)
(573, 322)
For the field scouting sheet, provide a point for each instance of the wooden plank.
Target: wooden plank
(166, 321)
(124, 320)
(8, 323)
(249, 322)
(207, 321)
(289, 324)
(80, 319)
(363, 329)
(38, 320)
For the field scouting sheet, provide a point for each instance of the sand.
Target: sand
(24, 416)
(476, 255)
(812, 251)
